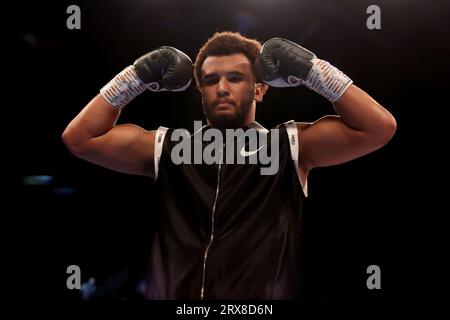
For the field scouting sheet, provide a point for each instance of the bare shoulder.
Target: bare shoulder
(137, 137)
(145, 146)
(127, 148)
(302, 126)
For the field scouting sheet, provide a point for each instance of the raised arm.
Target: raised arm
(93, 134)
(361, 126)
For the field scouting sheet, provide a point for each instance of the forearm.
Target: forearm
(286, 64)
(360, 111)
(93, 134)
(101, 113)
(96, 119)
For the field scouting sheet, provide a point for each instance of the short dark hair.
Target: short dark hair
(224, 44)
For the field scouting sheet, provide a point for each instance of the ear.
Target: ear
(260, 90)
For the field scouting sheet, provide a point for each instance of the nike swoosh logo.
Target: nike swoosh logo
(249, 153)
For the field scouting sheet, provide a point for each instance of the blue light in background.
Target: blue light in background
(38, 180)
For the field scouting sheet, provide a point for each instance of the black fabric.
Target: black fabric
(255, 253)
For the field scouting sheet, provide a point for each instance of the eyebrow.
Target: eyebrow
(215, 74)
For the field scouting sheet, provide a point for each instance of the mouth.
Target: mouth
(223, 104)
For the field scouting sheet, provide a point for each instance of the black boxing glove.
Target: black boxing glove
(284, 63)
(163, 69)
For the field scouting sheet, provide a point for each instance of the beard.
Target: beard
(229, 120)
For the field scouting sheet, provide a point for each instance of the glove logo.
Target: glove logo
(294, 81)
(153, 86)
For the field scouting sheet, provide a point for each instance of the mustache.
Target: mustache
(216, 102)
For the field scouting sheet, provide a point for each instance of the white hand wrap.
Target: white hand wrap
(327, 80)
(123, 88)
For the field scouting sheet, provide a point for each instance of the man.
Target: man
(224, 229)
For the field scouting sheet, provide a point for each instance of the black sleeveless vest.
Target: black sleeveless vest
(225, 231)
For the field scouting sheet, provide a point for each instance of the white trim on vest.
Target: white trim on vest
(159, 141)
(291, 129)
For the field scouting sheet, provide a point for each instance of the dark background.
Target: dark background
(374, 210)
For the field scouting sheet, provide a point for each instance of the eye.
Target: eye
(235, 78)
(210, 81)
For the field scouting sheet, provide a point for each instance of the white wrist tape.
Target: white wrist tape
(327, 80)
(123, 88)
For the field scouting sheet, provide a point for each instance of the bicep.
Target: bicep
(329, 141)
(125, 148)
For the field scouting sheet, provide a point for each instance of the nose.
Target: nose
(222, 88)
